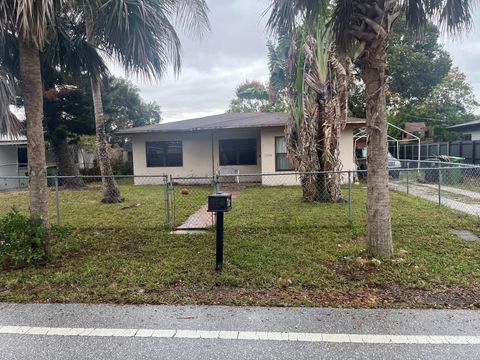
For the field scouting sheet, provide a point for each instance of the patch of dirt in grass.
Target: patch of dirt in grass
(360, 269)
(387, 297)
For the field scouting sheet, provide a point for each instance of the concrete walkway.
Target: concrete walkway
(54, 331)
(201, 219)
(454, 198)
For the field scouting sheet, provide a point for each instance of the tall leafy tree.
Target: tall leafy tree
(366, 25)
(69, 115)
(415, 66)
(141, 35)
(27, 22)
(251, 96)
(449, 103)
(124, 108)
(278, 56)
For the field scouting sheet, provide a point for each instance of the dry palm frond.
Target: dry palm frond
(9, 123)
(31, 18)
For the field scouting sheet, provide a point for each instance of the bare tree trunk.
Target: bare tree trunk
(111, 192)
(379, 231)
(33, 97)
(66, 164)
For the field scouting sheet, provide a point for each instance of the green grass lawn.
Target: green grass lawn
(278, 251)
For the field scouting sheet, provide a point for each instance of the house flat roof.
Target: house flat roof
(222, 121)
(465, 125)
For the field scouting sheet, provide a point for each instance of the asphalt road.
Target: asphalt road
(52, 331)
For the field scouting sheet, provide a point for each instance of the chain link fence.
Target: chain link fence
(263, 200)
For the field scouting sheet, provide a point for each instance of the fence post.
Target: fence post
(350, 220)
(216, 182)
(167, 201)
(171, 191)
(408, 178)
(439, 187)
(57, 199)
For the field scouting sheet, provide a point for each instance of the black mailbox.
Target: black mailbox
(220, 202)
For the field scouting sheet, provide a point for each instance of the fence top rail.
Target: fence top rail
(109, 176)
(241, 175)
(194, 177)
(444, 163)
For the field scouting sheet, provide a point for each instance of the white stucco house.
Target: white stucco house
(13, 162)
(470, 130)
(249, 143)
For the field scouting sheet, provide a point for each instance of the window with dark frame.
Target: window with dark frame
(164, 153)
(238, 152)
(467, 137)
(281, 159)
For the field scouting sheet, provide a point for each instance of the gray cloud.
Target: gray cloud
(235, 50)
(465, 52)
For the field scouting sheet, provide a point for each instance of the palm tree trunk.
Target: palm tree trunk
(66, 164)
(379, 233)
(111, 192)
(33, 97)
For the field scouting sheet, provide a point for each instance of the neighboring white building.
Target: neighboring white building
(249, 143)
(13, 158)
(470, 130)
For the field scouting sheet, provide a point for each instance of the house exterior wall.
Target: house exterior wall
(475, 134)
(9, 167)
(201, 157)
(282, 177)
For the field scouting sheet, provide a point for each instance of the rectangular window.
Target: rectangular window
(238, 152)
(467, 137)
(281, 160)
(22, 156)
(164, 153)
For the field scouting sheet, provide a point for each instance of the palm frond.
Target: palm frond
(285, 15)
(192, 16)
(9, 123)
(344, 19)
(140, 35)
(69, 49)
(31, 18)
(452, 15)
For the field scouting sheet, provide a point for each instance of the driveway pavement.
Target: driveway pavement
(454, 198)
(50, 331)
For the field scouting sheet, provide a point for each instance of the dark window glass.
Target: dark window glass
(238, 152)
(164, 153)
(467, 137)
(22, 156)
(281, 160)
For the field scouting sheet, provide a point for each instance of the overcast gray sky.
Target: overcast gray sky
(235, 50)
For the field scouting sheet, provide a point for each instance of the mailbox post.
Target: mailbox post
(219, 203)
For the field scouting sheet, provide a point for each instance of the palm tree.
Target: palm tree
(66, 61)
(139, 34)
(30, 19)
(318, 91)
(366, 24)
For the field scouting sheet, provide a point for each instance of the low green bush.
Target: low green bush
(23, 240)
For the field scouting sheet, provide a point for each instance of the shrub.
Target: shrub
(22, 240)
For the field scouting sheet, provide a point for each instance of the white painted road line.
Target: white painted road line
(243, 335)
